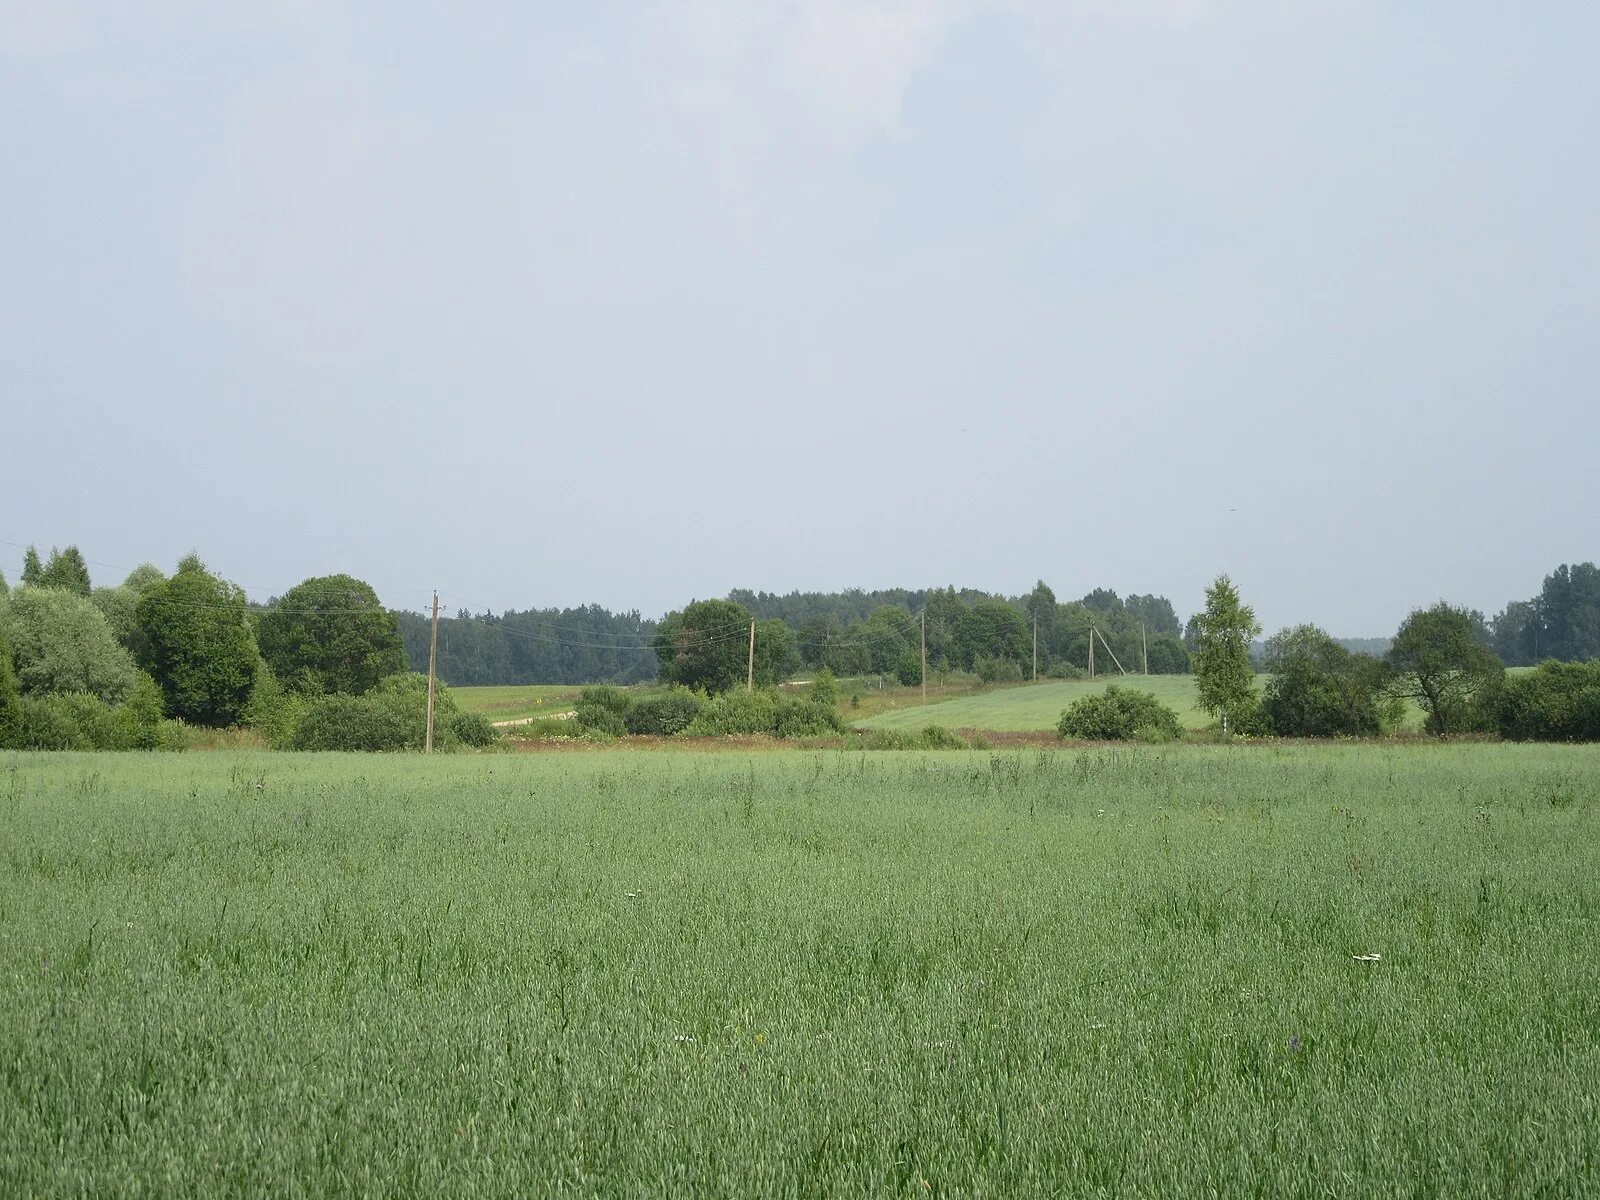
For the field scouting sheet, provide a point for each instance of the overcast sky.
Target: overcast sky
(632, 303)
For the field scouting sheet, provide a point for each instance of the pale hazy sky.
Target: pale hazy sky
(637, 302)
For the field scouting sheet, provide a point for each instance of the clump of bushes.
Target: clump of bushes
(805, 716)
(1120, 715)
(393, 716)
(82, 721)
(1554, 702)
(734, 713)
(665, 714)
(604, 709)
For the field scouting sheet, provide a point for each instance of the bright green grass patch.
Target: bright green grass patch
(1038, 706)
(514, 701)
(1106, 972)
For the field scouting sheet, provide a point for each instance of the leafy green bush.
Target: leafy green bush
(800, 717)
(474, 729)
(272, 711)
(665, 714)
(736, 712)
(69, 721)
(909, 669)
(1317, 688)
(393, 716)
(1555, 702)
(605, 709)
(1119, 715)
(824, 687)
(139, 717)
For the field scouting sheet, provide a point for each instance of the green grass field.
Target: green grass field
(1085, 973)
(516, 701)
(1032, 706)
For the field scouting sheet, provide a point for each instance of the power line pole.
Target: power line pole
(924, 657)
(433, 662)
(1144, 645)
(1091, 652)
(750, 678)
(1036, 647)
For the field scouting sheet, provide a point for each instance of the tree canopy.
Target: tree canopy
(705, 646)
(196, 641)
(60, 642)
(1224, 678)
(330, 634)
(1317, 688)
(1440, 661)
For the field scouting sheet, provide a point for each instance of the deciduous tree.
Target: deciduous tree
(705, 646)
(196, 641)
(1224, 679)
(1439, 662)
(331, 634)
(61, 643)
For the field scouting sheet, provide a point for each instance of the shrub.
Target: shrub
(824, 687)
(271, 711)
(909, 669)
(736, 712)
(139, 717)
(1317, 688)
(798, 717)
(69, 721)
(1555, 702)
(393, 716)
(474, 729)
(663, 715)
(1119, 715)
(605, 709)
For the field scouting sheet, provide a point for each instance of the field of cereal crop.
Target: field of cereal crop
(1072, 972)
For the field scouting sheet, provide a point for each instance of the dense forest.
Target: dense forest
(856, 631)
(852, 632)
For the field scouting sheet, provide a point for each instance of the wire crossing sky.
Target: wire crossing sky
(633, 303)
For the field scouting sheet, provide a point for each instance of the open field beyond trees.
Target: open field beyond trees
(1095, 972)
(1023, 707)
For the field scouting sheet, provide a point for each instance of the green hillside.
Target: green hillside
(1035, 706)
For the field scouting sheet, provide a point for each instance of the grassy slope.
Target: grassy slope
(1034, 706)
(1072, 973)
(510, 702)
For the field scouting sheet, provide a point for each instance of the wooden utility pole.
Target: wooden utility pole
(924, 657)
(433, 664)
(1036, 647)
(1144, 645)
(1091, 652)
(750, 678)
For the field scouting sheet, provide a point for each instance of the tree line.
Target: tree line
(130, 665)
(1441, 659)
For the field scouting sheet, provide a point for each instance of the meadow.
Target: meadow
(1022, 707)
(514, 702)
(1072, 972)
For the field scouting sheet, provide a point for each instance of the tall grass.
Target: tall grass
(1106, 972)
